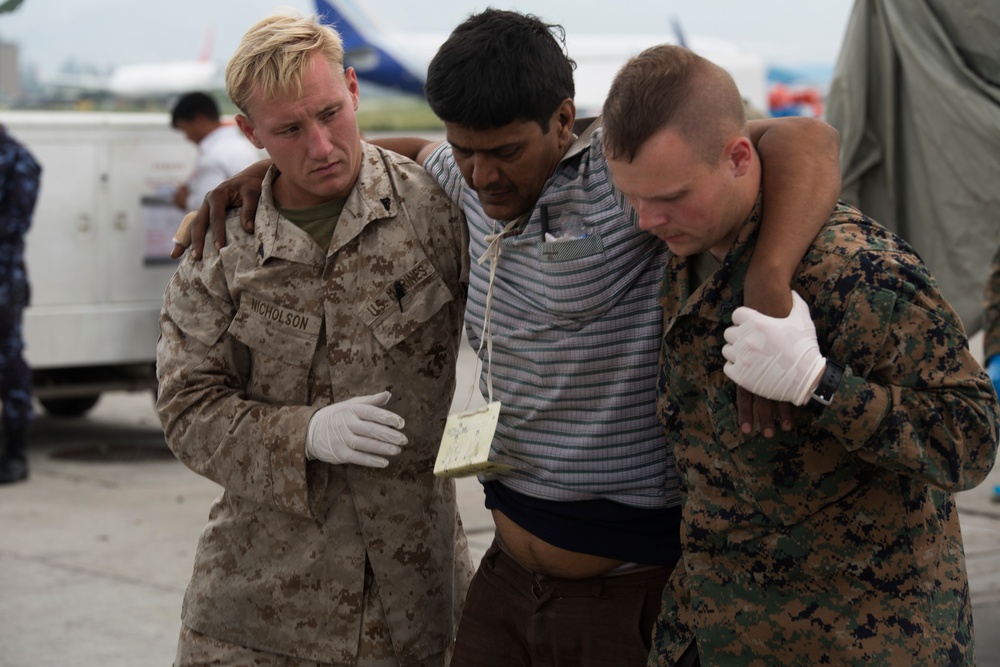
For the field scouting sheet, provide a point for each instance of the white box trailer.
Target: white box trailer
(97, 251)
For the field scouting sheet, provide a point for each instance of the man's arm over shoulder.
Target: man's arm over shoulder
(253, 449)
(415, 148)
(913, 398)
(242, 190)
(801, 179)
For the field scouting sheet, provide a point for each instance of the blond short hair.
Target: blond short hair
(273, 55)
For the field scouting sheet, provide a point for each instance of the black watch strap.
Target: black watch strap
(828, 383)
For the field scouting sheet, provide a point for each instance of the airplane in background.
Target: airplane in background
(149, 80)
(399, 60)
(168, 78)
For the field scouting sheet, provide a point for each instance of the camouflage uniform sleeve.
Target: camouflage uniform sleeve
(255, 450)
(991, 310)
(913, 399)
(20, 176)
(454, 246)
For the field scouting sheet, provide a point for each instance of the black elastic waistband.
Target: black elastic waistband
(597, 527)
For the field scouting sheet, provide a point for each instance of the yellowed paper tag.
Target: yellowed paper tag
(465, 445)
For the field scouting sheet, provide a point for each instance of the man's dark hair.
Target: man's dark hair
(191, 105)
(498, 67)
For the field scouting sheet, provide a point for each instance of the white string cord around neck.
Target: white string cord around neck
(492, 254)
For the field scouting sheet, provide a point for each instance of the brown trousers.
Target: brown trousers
(514, 618)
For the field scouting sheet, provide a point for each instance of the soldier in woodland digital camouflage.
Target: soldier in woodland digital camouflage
(308, 369)
(837, 542)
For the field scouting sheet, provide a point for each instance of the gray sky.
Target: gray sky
(113, 32)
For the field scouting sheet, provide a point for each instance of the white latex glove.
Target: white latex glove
(777, 358)
(355, 431)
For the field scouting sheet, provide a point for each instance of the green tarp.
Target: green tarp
(916, 99)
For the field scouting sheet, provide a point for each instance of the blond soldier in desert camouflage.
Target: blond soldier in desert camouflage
(308, 369)
(838, 542)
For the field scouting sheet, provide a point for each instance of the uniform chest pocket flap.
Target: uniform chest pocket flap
(405, 303)
(276, 331)
(790, 475)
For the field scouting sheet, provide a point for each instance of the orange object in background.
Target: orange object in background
(786, 100)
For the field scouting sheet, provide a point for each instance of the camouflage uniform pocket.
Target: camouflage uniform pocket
(282, 343)
(790, 476)
(863, 330)
(406, 302)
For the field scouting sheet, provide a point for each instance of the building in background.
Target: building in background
(10, 72)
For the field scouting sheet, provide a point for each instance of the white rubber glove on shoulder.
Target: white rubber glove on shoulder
(774, 357)
(356, 431)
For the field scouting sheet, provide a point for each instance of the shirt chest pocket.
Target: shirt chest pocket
(790, 476)
(575, 277)
(404, 303)
(282, 343)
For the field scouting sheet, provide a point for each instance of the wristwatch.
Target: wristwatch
(828, 383)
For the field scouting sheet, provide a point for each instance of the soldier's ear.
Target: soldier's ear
(248, 130)
(739, 155)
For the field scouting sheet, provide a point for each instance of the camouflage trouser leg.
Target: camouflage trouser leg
(15, 376)
(375, 649)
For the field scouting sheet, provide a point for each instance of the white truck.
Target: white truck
(98, 249)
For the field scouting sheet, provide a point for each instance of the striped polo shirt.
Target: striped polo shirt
(576, 332)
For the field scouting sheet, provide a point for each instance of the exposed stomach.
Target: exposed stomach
(536, 555)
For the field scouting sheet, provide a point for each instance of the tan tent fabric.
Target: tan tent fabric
(916, 99)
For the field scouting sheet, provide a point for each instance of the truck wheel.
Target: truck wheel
(69, 407)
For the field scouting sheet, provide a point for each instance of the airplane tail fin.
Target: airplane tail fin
(206, 46)
(370, 60)
(675, 23)
(333, 14)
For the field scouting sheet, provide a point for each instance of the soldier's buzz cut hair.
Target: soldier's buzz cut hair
(671, 86)
(273, 54)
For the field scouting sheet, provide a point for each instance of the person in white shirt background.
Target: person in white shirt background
(222, 149)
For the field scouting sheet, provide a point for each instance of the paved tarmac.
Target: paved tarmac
(96, 548)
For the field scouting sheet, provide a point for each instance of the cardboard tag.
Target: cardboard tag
(465, 445)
